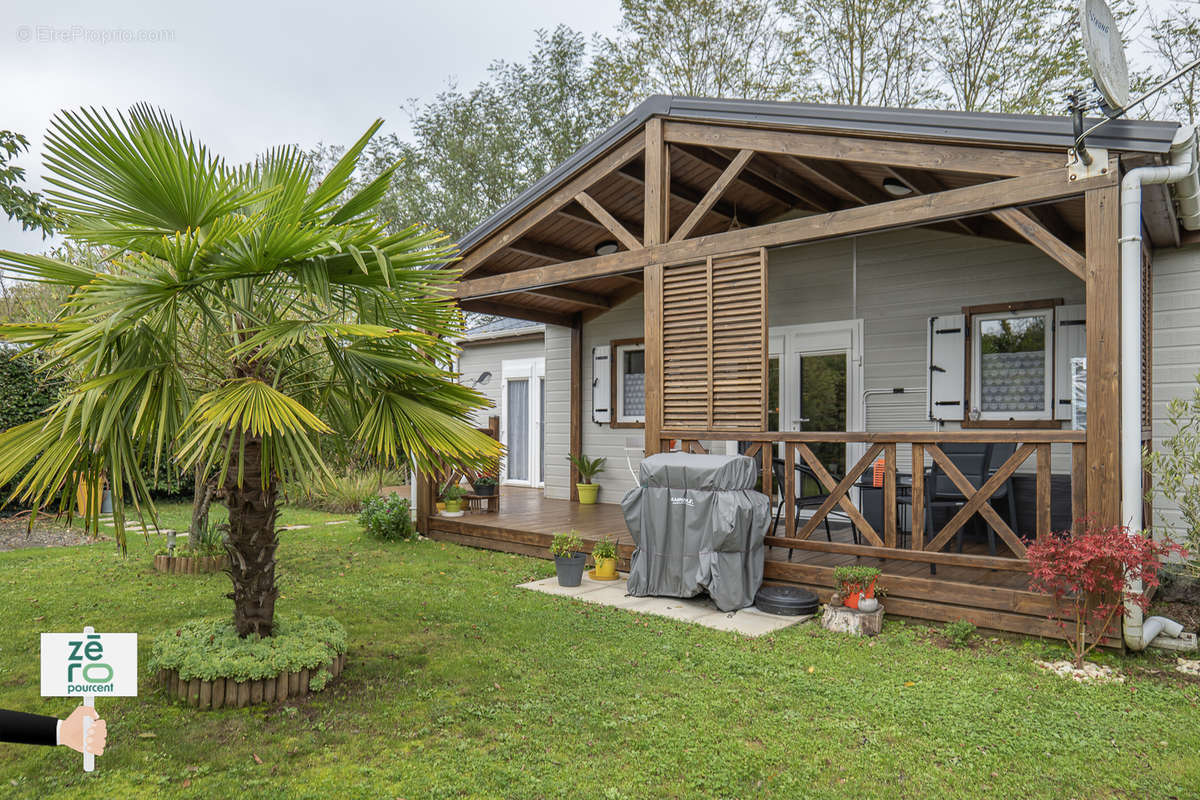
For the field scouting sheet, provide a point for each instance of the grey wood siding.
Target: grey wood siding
(558, 411)
(478, 357)
(1176, 352)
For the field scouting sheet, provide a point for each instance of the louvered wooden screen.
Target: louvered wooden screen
(714, 343)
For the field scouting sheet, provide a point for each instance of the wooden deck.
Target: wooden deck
(989, 598)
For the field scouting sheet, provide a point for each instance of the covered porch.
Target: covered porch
(965, 586)
(697, 224)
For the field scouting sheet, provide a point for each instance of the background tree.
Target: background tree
(870, 52)
(703, 48)
(474, 150)
(1176, 43)
(326, 324)
(31, 209)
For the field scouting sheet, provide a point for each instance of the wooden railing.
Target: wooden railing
(796, 449)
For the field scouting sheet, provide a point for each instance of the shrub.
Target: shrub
(454, 493)
(1089, 573)
(588, 468)
(566, 544)
(388, 518)
(854, 579)
(604, 549)
(25, 393)
(211, 648)
(1176, 469)
(959, 632)
(343, 494)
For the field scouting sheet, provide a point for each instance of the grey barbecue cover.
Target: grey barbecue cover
(699, 527)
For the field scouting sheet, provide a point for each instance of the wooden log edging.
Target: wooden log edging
(228, 693)
(180, 565)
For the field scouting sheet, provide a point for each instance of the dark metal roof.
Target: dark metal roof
(502, 326)
(1025, 131)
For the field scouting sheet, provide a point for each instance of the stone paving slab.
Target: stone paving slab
(748, 621)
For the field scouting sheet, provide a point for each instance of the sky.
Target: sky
(244, 76)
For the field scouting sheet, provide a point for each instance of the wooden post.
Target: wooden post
(1103, 357)
(656, 230)
(889, 495)
(1042, 522)
(657, 225)
(788, 490)
(917, 523)
(576, 445)
(652, 316)
(420, 499)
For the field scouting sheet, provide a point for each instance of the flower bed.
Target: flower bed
(206, 664)
(190, 564)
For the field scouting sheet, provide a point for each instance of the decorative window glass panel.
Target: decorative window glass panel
(629, 362)
(1013, 366)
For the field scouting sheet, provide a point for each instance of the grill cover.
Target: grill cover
(699, 527)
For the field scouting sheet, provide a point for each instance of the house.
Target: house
(843, 293)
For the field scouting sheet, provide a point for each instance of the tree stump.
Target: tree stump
(841, 619)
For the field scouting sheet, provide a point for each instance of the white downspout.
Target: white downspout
(1181, 171)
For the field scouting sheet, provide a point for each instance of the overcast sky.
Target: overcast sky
(247, 75)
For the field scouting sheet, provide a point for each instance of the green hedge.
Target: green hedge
(210, 648)
(25, 394)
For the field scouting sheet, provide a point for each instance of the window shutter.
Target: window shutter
(714, 352)
(1070, 341)
(601, 383)
(945, 357)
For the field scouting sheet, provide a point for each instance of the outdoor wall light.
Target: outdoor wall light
(896, 188)
(482, 380)
(607, 248)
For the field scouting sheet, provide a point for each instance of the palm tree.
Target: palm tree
(243, 314)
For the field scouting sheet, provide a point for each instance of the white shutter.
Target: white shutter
(601, 383)
(946, 357)
(1070, 341)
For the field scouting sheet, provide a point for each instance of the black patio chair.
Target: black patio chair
(974, 460)
(804, 475)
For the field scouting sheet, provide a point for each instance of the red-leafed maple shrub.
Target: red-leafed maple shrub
(1089, 572)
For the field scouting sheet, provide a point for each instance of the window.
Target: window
(1012, 364)
(629, 382)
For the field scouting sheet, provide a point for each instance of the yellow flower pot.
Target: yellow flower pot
(606, 569)
(588, 492)
(440, 507)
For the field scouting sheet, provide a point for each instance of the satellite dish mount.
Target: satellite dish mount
(1110, 74)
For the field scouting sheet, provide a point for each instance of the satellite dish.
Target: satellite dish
(1105, 52)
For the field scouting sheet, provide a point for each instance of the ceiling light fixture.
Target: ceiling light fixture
(607, 248)
(896, 187)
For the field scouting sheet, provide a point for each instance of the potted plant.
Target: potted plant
(855, 584)
(604, 553)
(568, 560)
(588, 468)
(484, 485)
(452, 496)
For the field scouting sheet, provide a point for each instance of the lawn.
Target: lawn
(459, 684)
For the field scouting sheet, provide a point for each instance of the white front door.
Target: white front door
(522, 421)
(819, 368)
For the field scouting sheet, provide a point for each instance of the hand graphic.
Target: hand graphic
(71, 734)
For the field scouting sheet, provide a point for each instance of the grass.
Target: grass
(459, 684)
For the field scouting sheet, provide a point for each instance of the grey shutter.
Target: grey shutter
(1070, 341)
(945, 358)
(601, 384)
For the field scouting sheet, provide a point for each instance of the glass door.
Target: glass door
(523, 421)
(821, 406)
(517, 442)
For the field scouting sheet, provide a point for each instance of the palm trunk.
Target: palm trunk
(252, 542)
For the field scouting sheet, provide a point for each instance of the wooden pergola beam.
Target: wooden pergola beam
(755, 178)
(576, 214)
(1037, 235)
(901, 213)
(924, 183)
(518, 227)
(518, 312)
(608, 221)
(546, 250)
(896, 153)
(712, 195)
(682, 192)
(576, 296)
